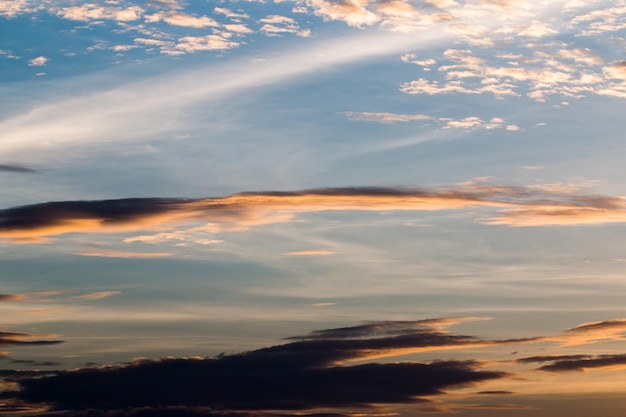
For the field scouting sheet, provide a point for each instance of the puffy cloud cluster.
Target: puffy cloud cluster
(556, 69)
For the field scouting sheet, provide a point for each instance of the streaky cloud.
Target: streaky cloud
(514, 206)
(585, 362)
(17, 168)
(11, 297)
(124, 254)
(13, 339)
(98, 295)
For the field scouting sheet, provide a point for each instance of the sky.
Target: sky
(330, 208)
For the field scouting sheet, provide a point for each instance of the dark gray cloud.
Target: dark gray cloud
(11, 339)
(179, 411)
(551, 358)
(17, 168)
(306, 374)
(30, 362)
(585, 362)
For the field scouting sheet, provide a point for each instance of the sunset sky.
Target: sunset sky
(313, 207)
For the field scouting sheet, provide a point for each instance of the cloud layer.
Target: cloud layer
(329, 369)
(308, 373)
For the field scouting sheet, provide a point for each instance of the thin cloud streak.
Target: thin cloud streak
(17, 169)
(125, 254)
(98, 295)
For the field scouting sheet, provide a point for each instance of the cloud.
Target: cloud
(17, 168)
(540, 71)
(274, 25)
(617, 70)
(124, 254)
(309, 253)
(352, 12)
(307, 373)
(324, 369)
(514, 206)
(593, 332)
(385, 117)
(190, 44)
(98, 295)
(11, 8)
(13, 339)
(571, 363)
(181, 19)
(38, 62)
(108, 116)
(91, 11)
(183, 411)
(11, 297)
(229, 13)
(447, 122)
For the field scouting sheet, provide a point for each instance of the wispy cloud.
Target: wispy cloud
(98, 295)
(106, 115)
(17, 168)
(124, 254)
(309, 253)
(585, 362)
(385, 117)
(13, 339)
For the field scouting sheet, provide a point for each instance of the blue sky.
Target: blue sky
(441, 182)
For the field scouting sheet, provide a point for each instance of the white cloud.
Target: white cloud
(617, 70)
(466, 123)
(11, 8)
(537, 29)
(385, 117)
(470, 122)
(98, 295)
(182, 19)
(191, 44)
(352, 12)
(274, 25)
(229, 13)
(610, 19)
(91, 11)
(38, 62)
(8, 54)
(238, 28)
(309, 253)
(553, 70)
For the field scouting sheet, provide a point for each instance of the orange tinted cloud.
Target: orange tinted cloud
(513, 205)
(98, 295)
(309, 253)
